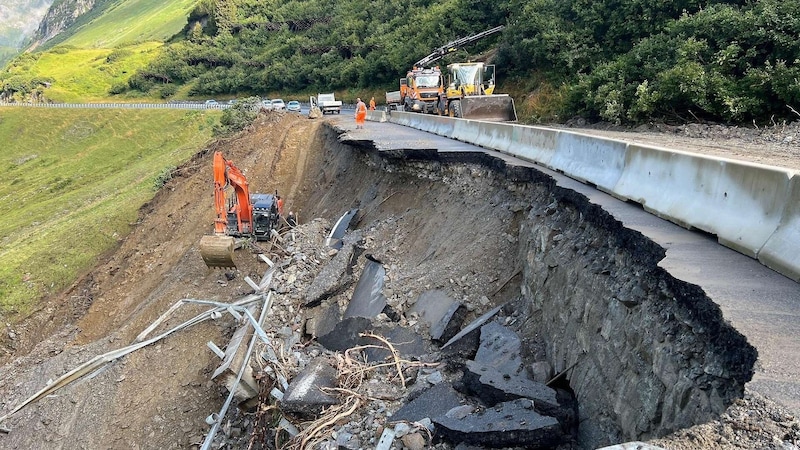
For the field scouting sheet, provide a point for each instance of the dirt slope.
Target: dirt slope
(159, 396)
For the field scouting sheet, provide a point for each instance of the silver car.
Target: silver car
(278, 105)
(266, 104)
(293, 106)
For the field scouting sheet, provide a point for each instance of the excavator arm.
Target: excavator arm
(233, 218)
(227, 174)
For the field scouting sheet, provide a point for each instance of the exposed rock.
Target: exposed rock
(414, 441)
(541, 371)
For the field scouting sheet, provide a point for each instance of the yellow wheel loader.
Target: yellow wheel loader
(470, 94)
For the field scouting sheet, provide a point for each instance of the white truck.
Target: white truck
(328, 103)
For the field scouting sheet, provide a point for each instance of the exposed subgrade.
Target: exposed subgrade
(644, 352)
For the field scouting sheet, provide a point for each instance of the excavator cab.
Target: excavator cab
(265, 215)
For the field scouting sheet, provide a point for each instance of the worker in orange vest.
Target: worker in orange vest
(361, 113)
(280, 204)
(372, 104)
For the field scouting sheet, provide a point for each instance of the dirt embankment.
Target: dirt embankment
(453, 228)
(159, 396)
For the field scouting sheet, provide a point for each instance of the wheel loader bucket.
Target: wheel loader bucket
(496, 108)
(217, 251)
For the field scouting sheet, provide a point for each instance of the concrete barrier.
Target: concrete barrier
(537, 144)
(494, 135)
(376, 116)
(751, 208)
(443, 126)
(589, 159)
(740, 203)
(780, 253)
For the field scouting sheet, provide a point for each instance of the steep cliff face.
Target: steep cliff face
(60, 16)
(18, 20)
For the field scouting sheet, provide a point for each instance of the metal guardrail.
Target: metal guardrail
(119, 105)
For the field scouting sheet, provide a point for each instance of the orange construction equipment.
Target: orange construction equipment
(238, 214)
(467, 92)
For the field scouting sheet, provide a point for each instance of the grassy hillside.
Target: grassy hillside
(102, 49)
(82, 75)
(115, 22)
(73, 183)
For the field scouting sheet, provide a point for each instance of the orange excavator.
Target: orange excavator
(239, 214)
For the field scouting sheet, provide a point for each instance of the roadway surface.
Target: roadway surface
(760, 303)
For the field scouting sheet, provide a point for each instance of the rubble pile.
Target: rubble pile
(355, 364)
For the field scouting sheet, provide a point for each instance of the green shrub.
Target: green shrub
(238, 116)
(163, 177)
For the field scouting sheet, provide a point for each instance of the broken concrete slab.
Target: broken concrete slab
(368, 299)
(304, 396)
(508, 424)
(334, 277)
(500, 348)
(334, 239)
(442, 314)
(345, 334)
(432, 402)
(466, 341)
(322, 319)
(408, 343)
(493, 386)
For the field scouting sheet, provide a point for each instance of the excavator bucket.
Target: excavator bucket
(217, 251)
(496, 108)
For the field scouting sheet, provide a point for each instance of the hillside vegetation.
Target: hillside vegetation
(623, 61)
(97, 54)
(73, 184)
(112, 23)
(70, 74)
(616, 60)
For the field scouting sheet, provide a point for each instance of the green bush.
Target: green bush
(167, 90)
(163, 177)
(238, 116)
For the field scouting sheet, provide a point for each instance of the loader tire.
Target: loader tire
(455, 108)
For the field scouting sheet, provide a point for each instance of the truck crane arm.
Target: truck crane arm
(451, 47)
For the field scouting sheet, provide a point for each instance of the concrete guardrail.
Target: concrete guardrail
(751, 208)
(781, 251)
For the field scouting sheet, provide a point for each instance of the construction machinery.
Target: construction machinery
(468, 92)
(239, 214)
